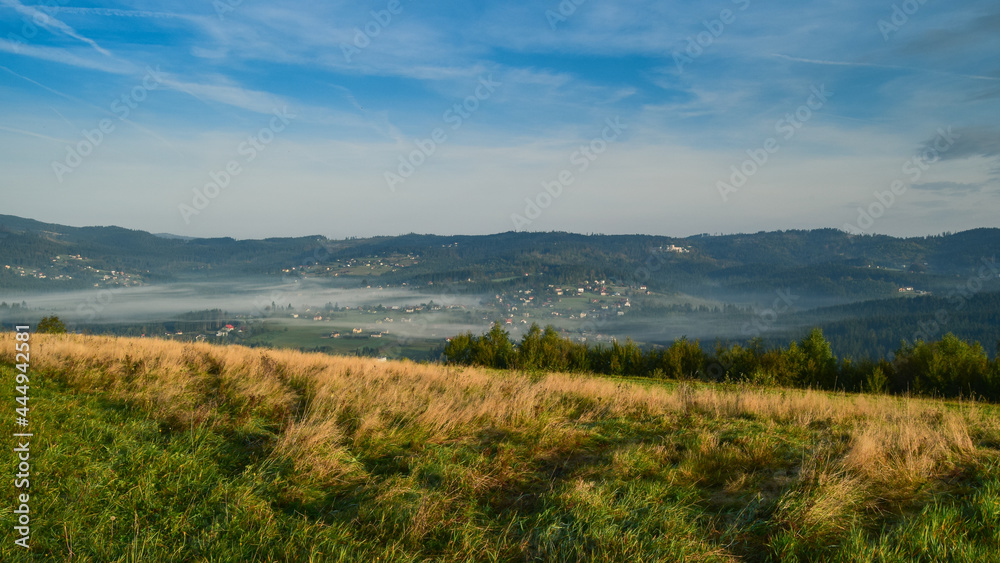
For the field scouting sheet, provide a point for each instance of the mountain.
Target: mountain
(173, 236)
(826, 265)
(868, 293)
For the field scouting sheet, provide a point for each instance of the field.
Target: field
(150, 450)
(410, 336)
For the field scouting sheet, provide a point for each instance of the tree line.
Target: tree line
(949, 367)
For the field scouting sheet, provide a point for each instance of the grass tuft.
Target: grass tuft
(151, 450)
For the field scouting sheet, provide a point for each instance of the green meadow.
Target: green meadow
(150, 450)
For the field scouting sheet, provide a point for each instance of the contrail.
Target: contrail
(50, 23)
(873, 65)
(31, 134)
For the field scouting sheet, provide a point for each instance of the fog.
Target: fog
(771, 313)
(242, 297)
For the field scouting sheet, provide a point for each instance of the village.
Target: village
(74, 267)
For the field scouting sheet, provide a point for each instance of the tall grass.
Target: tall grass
(309, 453)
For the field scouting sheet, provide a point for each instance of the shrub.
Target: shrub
(51, 325)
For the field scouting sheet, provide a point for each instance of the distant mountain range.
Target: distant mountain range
(868, 293)
(826, 265)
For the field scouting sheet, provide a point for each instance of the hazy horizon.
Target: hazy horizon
(246, 120)
(460, 234)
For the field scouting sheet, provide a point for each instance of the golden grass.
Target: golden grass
(322, 406)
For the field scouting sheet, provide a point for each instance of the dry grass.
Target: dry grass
(323, 402)
(851, 454)
(905, 450)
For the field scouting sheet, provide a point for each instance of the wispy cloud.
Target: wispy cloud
(51, 90)
(971, 142)
(109, 12)
(228, 94)
(33, 134)
(889, 67)
(948, 187)
(52, 24)
(222, 77)
(66, 57)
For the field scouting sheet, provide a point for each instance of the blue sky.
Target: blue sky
(254, 119)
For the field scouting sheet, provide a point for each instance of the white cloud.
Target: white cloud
(66, 57)
(52, 24)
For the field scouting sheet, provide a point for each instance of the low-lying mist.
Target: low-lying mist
(239, 297)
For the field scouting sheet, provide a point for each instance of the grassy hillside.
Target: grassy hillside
(149, 450)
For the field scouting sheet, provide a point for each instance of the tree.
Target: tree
(820, 365)
(51, 325)
(494, 349)
(877, 381)
(529, 353)
(949, 367)
(625, 359)
(683, 359)
(459, 349)
(559, 354)
(740, 362)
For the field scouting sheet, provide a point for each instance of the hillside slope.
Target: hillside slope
(823, 263)
(155, 450)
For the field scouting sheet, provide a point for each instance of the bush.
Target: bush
(949, 367)
(51, 325)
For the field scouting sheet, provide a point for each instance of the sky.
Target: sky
(256, 119)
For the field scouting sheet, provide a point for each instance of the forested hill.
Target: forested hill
(825, 262)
